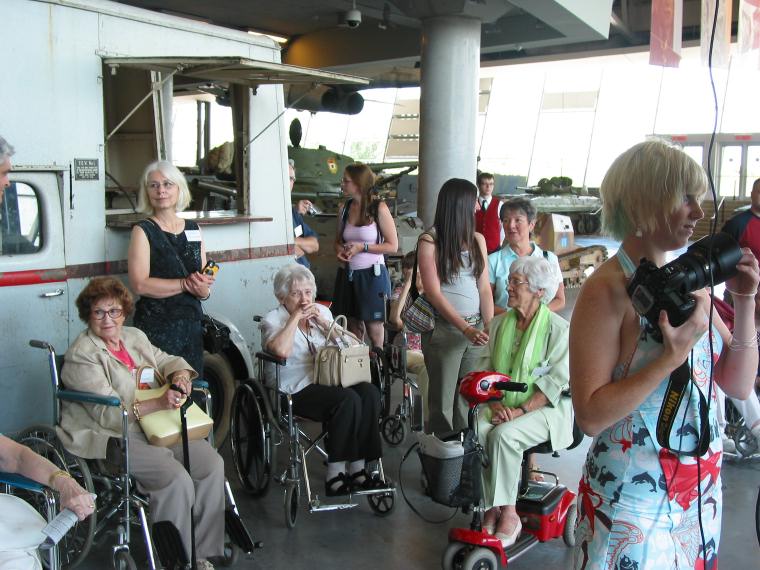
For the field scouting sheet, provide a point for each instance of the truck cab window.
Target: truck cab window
(20, 223)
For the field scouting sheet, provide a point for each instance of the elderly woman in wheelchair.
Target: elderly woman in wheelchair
(529, 343)
(292, 331)
(104, 360)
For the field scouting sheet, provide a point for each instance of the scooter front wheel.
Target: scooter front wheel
(453, 556)
(480, 559)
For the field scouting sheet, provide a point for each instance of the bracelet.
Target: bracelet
(735, 294)
(524, 408)
(206, 298)
(136, 410)
(56, 474)
(182, 286)
(366, 247)
(736, 344)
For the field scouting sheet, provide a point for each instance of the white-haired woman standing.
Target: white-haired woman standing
(293, 331)
(166, 255)
(529, 343)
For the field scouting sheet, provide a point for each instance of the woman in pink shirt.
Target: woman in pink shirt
(366, 233)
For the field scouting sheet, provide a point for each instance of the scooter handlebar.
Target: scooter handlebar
(510, 386)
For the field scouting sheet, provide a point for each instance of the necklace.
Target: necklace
(170, 227)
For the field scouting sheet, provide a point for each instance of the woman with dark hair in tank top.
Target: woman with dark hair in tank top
(366, 233)
(166, 255)
(453, 264)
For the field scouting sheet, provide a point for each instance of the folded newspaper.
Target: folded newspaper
(434, 447)
(59, 526)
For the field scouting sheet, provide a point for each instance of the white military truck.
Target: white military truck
(89, 96)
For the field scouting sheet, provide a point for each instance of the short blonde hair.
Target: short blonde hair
(648, 180)
(172, 173)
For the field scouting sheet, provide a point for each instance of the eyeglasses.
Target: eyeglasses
(514, 282)
(167, 184)
(100, 314)
(292, 178)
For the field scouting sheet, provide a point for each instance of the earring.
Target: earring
(638, 233)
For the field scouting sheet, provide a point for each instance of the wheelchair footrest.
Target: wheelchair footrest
(237, 532)
(168, 545)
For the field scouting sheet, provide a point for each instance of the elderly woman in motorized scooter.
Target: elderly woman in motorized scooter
(530, 344)
(293, 331)
(104, 359)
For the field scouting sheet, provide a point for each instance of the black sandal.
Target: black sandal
(370, 482)
(343, 488)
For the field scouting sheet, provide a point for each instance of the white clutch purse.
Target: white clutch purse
(164, 428)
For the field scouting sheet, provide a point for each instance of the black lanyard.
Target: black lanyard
(674, 393)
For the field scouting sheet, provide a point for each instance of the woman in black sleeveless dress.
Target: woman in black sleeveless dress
(166, 255)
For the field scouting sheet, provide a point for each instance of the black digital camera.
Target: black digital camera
(653, 289)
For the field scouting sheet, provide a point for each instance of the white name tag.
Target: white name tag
(193, 235)
(540, 371)
(147, 379)
(298, 230)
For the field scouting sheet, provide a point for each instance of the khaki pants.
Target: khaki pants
(160, 473)
(415, 364)
(448, 357)
(505, 444)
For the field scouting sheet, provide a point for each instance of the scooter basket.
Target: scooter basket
(455, 481)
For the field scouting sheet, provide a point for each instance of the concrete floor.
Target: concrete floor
(359, 539)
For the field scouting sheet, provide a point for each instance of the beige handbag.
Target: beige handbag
(343, 360)
(164, 428)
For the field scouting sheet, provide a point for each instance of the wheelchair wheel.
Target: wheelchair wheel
(253, 451)
(75, 546)
(746, 444)
(480, 559)
(393, 430)
(381, 377)
(453, 556)
(122, 560)
(568, 533)
(292, 503)
(382, 504)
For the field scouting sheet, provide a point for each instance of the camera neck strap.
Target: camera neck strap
(674, 394)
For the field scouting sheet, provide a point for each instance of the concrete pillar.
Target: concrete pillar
(448, 105)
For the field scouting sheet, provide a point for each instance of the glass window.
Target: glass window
(695, 151)
(20, 224)
(753, 167)
(730, 169)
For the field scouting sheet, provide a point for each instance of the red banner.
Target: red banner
(749, 25)
(721, 55)
(665, 34)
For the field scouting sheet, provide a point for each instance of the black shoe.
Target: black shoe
(369, 483)
(337, 486)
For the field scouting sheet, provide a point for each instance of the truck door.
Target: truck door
(33, 294)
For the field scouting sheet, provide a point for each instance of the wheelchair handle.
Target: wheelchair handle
(510, 386)
(40, 344)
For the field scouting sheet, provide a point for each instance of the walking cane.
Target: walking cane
(186, 460)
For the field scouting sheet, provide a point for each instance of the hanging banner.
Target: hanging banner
(665, 35)
(721, 55)
(749, 25)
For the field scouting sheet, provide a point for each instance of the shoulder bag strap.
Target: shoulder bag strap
(171, 247)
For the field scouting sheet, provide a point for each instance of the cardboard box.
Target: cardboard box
(554, 232)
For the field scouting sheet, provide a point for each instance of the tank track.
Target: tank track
(578, 264)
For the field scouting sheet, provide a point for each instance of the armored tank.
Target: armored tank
(557, 195)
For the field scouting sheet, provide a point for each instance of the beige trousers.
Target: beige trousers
(160, 473)
(505, 444)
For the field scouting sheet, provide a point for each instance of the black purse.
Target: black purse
(216, 335)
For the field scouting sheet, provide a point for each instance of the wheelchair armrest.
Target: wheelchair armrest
(89, 398)
(20, 482)
(269, 357)
(200, 384)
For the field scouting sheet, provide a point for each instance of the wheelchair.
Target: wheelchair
(118, 500)
(390, 366)
(262, 420)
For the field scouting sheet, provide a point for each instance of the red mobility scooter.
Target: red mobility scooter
(547, 509)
